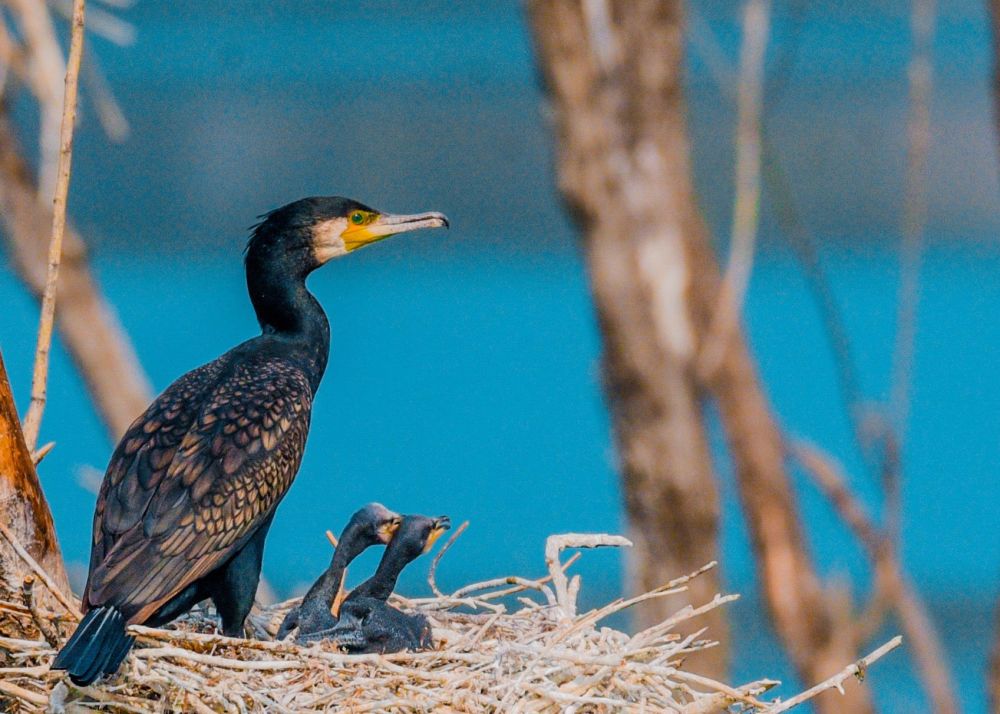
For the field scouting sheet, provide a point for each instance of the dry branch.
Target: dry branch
(45, 72)
(33, 421)
(922, 21)
(858, 669)
(89, 330)
(88, 327)
(746, 204)
(923, 639)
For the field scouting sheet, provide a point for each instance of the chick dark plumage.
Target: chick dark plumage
(192, 487)
(369, 526)
(370, 626)
(366, 622)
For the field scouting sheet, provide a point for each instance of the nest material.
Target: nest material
(510, 644)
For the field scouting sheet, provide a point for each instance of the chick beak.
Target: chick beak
(387, 530)
(441, 524)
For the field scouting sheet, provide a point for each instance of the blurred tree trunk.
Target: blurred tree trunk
(614, 70)
(624, 173)
(25, 514)
(90, 332)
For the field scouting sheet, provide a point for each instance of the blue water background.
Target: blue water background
(464, 374)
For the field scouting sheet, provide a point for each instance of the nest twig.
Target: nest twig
(500, 645)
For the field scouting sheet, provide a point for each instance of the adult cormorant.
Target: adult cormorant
(366, 622)
(192, 487)
(371, 525)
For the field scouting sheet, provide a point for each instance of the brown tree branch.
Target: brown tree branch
(614, 70)
(925, 644)
(45, 73)
(922, 21)
(816, 638)
(746, 203)
(33, 421)
(89, 329)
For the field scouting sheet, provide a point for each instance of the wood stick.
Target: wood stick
(22, 693)
(554, 545)
(857, 669)
(37, 569)
(42, 621)
(437, 558)
(32, 422)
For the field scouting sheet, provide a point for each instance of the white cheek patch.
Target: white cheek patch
(328, 239)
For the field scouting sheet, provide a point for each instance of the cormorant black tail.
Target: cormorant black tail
(97, 647)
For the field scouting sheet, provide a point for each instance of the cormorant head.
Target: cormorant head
(311, 231)
(374, 523)
(417, 534)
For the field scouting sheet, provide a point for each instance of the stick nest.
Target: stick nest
(509, 644)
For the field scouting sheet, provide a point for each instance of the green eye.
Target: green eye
(357, 218)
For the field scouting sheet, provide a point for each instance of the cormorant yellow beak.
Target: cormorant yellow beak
(387, 530)
(364, 228)
(440, 526)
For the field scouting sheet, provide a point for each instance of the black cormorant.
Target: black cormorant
(192, 487)
(371, 525)
(366, 622)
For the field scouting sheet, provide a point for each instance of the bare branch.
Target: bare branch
(858, 669)
(554, 545)
(916, 623)
(46, 70)
(56, 591)
(922, 21)
(746, 207)
(432, 573)
(790, 220)
(88, 327)
(32, 422)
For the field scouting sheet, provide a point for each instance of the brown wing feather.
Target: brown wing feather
(167, 522)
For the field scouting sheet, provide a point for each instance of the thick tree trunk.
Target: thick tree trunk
(101, 350)
(614, 75)
(614, 71)
(25, 512)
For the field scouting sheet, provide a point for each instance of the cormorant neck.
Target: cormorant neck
(326, 588)
(285, 307)
(383, 582)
